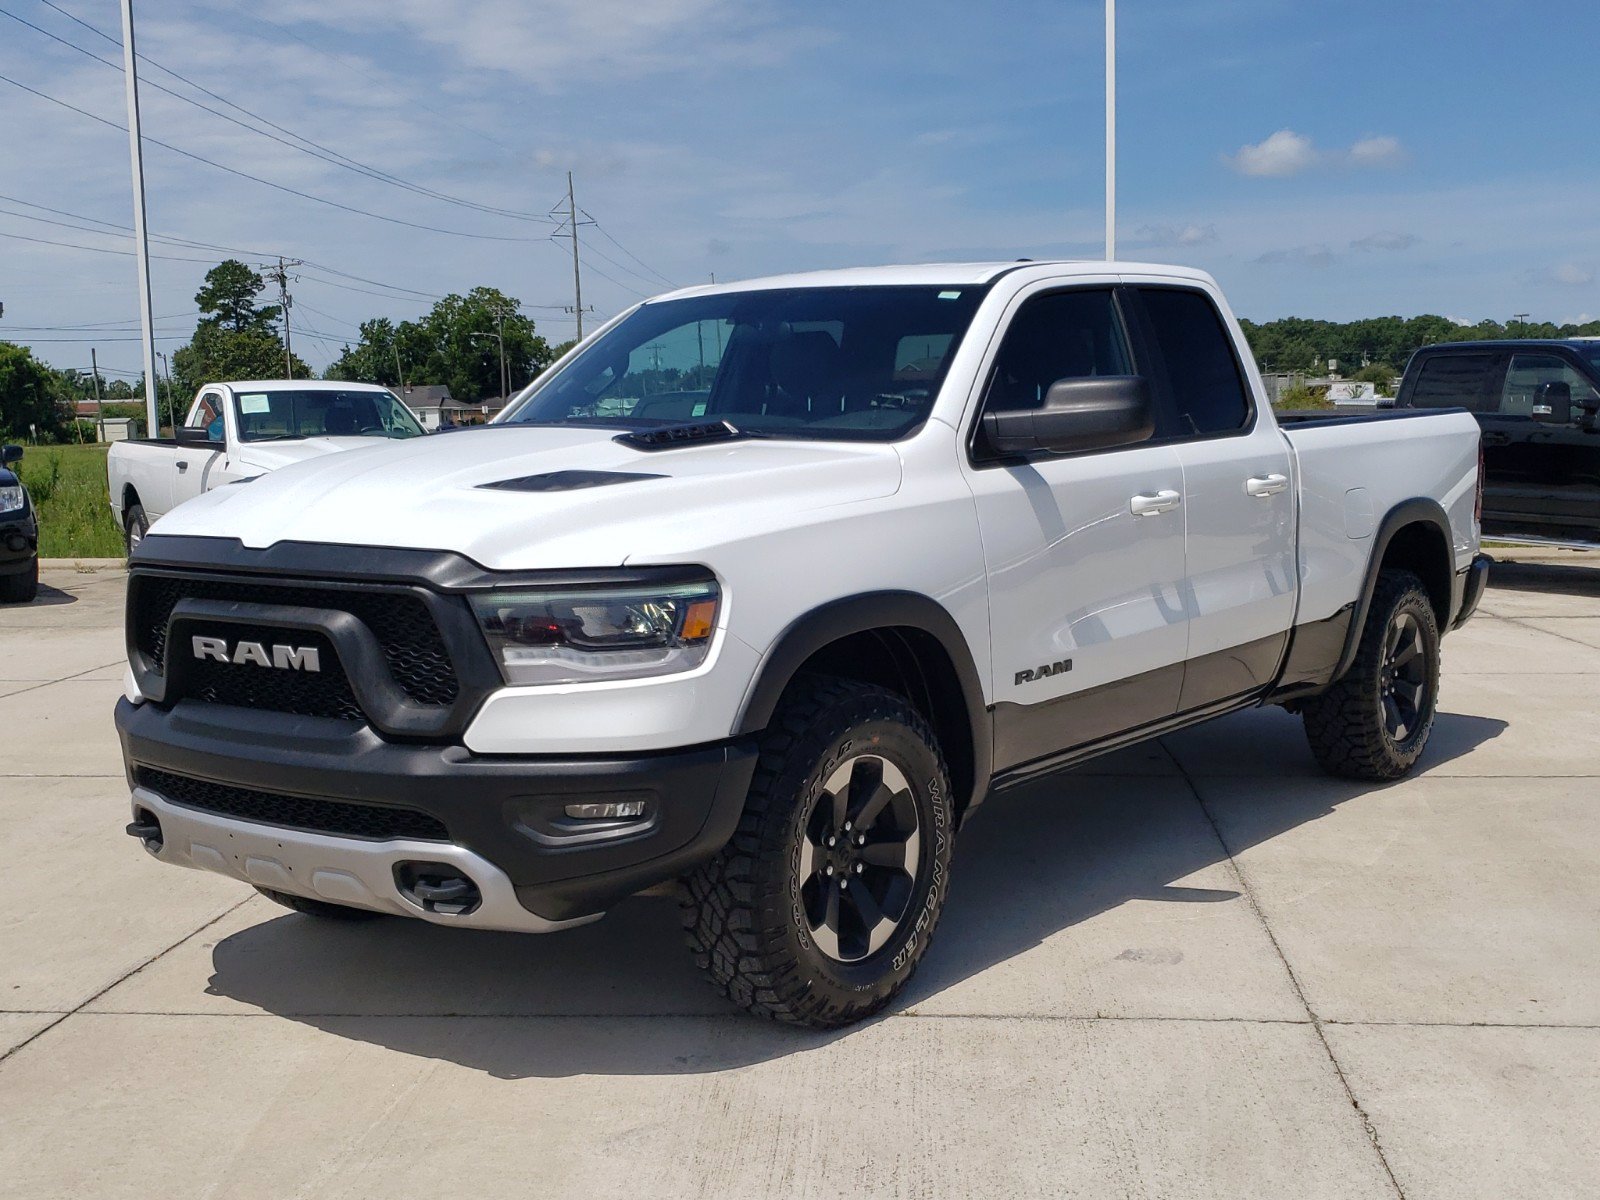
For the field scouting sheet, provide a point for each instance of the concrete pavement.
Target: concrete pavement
(1195, 969)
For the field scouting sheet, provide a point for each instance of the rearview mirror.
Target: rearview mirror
(10, 454)
(1552, 403)
(1096, 412)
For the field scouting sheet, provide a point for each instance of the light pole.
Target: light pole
(500, 337)
(141, 244)
(1111, 130)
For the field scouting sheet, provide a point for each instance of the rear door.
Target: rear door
(1084, 552)
(1238, 495)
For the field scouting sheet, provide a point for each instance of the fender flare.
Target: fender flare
(862, 613)
(1419, 510)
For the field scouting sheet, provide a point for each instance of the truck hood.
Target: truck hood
(274, 456)
(588, 500)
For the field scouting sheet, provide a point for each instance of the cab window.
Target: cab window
(207, 415)
(1208, 391)
(1454, 381)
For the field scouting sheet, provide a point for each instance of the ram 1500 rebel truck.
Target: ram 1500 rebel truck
(764, 588)
(1538, 404)
(236, 431)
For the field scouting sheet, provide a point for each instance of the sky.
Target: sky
(1322, 159)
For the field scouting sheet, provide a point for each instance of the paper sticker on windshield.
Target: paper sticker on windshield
(255, 405)
(949, 295)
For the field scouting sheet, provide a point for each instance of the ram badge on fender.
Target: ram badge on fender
(764, 588)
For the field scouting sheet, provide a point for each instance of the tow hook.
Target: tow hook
(147, 829)
(438, 888)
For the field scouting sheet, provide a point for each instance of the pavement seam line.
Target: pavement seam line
(1294, 980)
(64, 679)
(127, 975)
(1522, 623)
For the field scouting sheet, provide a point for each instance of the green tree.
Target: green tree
(229, 299)
(217, 352)
(375, 358)
(31, 394)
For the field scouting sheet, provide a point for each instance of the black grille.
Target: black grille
(376, 821)
(411, 642)
(321, 693)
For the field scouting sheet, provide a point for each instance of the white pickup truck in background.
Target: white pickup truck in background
(764, 588)
(236, 431)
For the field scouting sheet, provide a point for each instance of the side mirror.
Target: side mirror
(188, 435)
(1552, 403)
(1096, 412)
(9, 454)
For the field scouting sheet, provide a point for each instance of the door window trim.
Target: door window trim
(1137, 352)
(1161, 380)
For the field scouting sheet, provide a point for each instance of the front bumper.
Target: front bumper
(1471, 584)
(19, 541)
(503, 817)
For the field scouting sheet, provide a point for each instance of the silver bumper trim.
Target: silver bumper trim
(340, 870)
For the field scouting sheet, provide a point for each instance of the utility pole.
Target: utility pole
(398, 373)
(281, 275)
(99, 412)
(1111, 130)
(1520, 319)
(571, 222)
(500, 337)
(141, 244)
(172, 405)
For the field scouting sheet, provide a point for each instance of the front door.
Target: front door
(1542, 452)
(1084, 552)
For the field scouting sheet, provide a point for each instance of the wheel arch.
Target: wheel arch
(904, 641)
(130, 497)
(1415, 536)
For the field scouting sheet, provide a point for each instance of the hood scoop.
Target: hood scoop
(567, 481)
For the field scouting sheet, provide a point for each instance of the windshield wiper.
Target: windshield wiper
(689, 433)
(279, 437)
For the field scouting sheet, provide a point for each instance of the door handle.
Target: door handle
(1150, 506)
(183, 466)
(1266, 485)
(1492, 438)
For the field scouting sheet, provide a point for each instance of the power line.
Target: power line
(607, 235)
(22, 237)
(313, 148)
(485, 237)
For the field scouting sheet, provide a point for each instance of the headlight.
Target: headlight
(10, 499)
(601, 633)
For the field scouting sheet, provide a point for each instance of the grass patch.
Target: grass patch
(68, 486)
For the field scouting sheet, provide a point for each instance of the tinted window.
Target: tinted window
(1528, 371)
(1453, 381)
(1207, 389)
(1064, 336)
(851, 363)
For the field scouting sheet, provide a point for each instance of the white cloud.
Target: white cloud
(1191, 234)
(1385, 241)
(1284, 153)
(1317, 257)
(1288, 153)
(1377, 152)
(1573, 274)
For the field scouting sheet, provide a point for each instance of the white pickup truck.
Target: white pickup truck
(236, 431)
(765, 588)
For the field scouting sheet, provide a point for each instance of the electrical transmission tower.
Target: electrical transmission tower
(569, 228)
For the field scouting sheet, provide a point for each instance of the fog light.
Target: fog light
(620, 810)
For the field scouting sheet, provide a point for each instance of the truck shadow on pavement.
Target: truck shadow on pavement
(1578, 578)
(620, 996)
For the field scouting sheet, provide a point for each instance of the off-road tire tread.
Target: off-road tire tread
(318, 908)
(722, 902)
(20, 588)
(1343, 725)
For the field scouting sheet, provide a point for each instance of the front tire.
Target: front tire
(22, 587)
(1375, 722)
(820, 906)
(135, 526)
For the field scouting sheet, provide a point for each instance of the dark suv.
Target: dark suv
(1538, 403)
(19, 534)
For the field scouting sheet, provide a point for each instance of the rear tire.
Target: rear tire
(319, 908)
(850, 790)
(1375, 722)
(135, 526)
(22, 587)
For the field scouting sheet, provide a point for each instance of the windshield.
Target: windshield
(854, 363)
(276, 415)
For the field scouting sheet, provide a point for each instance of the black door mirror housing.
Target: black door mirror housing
(1552, 403)
(1095, 412)
(9, 454)
(192, 435)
